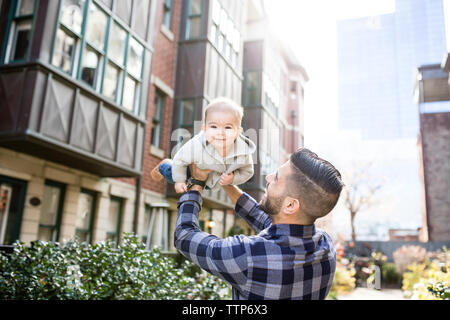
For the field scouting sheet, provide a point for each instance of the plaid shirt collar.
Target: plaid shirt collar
(290, 230)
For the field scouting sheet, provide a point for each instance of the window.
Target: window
(187, 109)
(167, 13)
(85, 215)
(141, 8)
(123, 10)
(114, 221)
(194, 17)
(51, 211)
(224, 35)
(100, 51)
(21, 23)
(252, 86)
(157, 119)
(157, 224)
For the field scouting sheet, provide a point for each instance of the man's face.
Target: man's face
(275, 190)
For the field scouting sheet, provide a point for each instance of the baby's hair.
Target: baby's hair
(227, 104)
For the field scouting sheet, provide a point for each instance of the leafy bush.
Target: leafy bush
(429, 280)
(75, 270)
(407, 255)
(389, 274)
(343, 282)
(344, 277)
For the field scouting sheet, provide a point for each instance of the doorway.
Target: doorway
(12, 200)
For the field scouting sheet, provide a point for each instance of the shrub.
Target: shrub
(407, 255)
(75, 270)
(389, 274)
(429, 280)
(343, 282)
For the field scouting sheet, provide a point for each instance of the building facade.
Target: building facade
(95, 93)
(377, 59)
(433, 99)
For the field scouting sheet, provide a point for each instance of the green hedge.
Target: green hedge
(75, 270)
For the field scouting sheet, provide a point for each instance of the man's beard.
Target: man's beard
(271, 205)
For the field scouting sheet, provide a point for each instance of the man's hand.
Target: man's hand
(226, 179)
(180, 187)
(199, 174)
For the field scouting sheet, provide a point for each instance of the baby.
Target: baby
(219, 147)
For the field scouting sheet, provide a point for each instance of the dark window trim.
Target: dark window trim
(90, 230)
(12, 18)
(62, 188)
(119, 219)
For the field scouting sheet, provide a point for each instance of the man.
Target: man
(289, 258)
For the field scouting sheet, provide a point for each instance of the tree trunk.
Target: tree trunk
(352, 220)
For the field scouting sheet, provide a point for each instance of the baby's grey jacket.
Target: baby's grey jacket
(199, 151)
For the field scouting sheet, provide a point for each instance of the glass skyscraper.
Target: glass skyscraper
(377, 61)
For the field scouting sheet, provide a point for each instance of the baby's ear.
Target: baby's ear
(203, 127)
(240, 130)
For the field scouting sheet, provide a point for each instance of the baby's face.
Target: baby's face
(221, 129)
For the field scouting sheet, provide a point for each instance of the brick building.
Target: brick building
(94, 94)
(433, 97)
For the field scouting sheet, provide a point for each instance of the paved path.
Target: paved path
(372, 294)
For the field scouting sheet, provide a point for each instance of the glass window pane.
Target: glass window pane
(167, 15)
(25, 7)
(64, 51)
(110, 81)
(113, 216)
(223, 21)
(49, 208)
(156, 129)
(117, 40)
(123, 10)
(194, 28)
(216, 12)
(187, 112)
(108, 3)
(212, 35)
(96, 27)
(72, 14)
(85, 202)
(196, 7)
(236, 40)
(129, 93)
(89, 66)
(141, 17)
(135, 56)
(21, 40)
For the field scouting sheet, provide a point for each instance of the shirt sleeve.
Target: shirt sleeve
(248, 209)
(224, 258)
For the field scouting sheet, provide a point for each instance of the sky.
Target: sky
(309, 27)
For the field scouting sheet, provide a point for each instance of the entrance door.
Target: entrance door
(12, 197)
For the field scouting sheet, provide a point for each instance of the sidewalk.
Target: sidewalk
(372, 294)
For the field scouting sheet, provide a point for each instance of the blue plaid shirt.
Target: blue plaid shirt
(284, 261)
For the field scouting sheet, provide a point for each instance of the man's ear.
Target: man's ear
(291, 205)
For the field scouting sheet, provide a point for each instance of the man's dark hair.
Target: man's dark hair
(315, 182)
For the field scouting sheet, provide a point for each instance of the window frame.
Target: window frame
(81, 44)
(11, 34)
(116, 234)
(62, 194)
(247, 89)
(158, 121)
(164, 223)
(167, 9)
(90, 230)
(190, 16)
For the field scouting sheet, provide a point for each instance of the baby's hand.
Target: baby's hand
(226, 179)
(180, 187)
